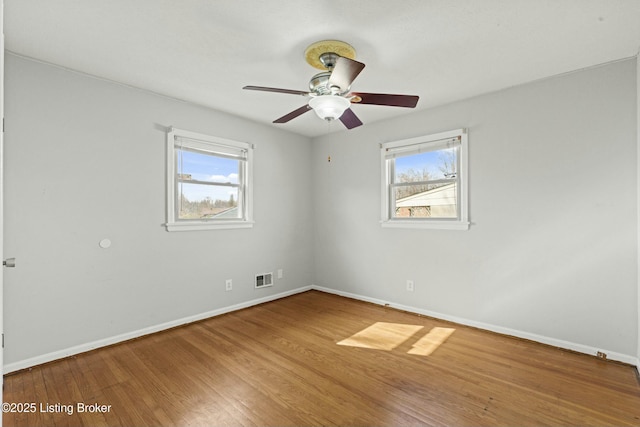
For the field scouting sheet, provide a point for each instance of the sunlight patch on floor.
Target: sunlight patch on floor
(382, 336)
(430, 342)
(388, 336)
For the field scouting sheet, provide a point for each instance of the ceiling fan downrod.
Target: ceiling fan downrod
(329, 59)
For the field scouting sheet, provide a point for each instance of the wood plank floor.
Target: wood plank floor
(320, 359)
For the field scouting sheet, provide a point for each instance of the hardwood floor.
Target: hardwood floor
(315, 359)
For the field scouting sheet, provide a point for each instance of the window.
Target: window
(208, 182)
(424, 182)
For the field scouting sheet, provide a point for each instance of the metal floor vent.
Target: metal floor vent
(264, 280)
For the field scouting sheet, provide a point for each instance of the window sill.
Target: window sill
(199, 226)
(432, 225)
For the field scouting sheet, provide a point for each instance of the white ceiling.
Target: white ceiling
(205, 51)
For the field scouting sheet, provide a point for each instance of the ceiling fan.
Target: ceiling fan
(330, 90)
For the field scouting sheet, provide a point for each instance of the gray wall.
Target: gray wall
(552, 250)
(85, 160)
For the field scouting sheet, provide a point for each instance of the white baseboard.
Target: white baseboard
(61, 354)
(611, 355)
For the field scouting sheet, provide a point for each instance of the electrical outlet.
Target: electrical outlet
(410, 285)
(228, 285)
(279, 273)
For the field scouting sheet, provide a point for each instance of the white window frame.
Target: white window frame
(411, 144)
(213, 144)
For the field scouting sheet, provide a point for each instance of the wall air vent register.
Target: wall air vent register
(264, 280)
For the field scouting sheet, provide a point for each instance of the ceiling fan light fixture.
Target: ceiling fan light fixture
(330, 90)
(329, 107)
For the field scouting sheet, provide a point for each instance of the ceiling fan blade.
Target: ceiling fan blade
(349, 119)
(345, 72)
(277, 90)
(292, 115)
(408, 101)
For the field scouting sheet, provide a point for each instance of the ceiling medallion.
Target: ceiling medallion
(313, 53)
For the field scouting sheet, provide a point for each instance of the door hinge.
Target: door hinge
(2, 340)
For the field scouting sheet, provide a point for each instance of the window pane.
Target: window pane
(200, 201)
(208, 168)
(426, 201)
(428, 166)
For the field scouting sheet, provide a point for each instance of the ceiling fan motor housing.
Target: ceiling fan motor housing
(319, 85)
